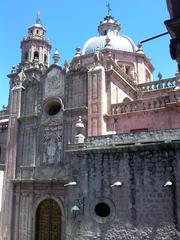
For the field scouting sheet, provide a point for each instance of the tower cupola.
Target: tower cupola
(35, 47)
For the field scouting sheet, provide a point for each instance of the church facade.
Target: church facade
(91, 150)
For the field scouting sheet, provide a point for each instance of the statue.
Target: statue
(97, 56)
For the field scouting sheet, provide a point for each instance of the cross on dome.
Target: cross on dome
(109, 8)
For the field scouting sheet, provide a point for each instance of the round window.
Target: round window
(52, 107)
(102, 209)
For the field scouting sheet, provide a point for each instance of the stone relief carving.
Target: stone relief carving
(54, 83)
(52, 144)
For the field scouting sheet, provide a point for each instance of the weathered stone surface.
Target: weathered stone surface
(115, 172)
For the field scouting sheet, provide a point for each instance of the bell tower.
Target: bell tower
(35, 47)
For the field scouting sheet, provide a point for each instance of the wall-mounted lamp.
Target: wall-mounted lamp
(117, 184)
(70, 184)
(168, 184)
(75, 210)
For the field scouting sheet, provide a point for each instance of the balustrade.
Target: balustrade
(156, 85)
(139, 105)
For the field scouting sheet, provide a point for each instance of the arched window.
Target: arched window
(48, 220)
(105, 32)
(36, 55)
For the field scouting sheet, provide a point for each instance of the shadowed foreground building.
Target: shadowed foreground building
(114, 172)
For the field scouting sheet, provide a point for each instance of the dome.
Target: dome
(122, 43)
(38, 22)
(109, 29)
(37, 25)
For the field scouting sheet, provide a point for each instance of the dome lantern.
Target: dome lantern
(109, 26)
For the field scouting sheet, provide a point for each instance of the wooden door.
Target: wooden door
(48, 221)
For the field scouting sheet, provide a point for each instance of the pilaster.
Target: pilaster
(97, 101)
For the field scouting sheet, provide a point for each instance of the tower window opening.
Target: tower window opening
(37, 31)
(45, 58)
(36, 55)
(26, 56)
(105, 32)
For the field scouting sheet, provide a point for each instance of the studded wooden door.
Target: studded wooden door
(48, 221)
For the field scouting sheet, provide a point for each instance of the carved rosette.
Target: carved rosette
(52, 144)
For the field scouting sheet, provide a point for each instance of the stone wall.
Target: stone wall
(142, 208)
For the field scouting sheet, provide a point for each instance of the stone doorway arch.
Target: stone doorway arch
(48, 220)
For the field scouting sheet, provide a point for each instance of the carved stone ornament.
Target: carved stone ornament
(52, 144)
(53, 83)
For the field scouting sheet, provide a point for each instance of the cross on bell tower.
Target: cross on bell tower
(38, 20)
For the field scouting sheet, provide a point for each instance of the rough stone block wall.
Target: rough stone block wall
(142, 208)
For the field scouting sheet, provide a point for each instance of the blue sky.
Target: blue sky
(70, 23)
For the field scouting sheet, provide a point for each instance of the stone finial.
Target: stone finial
(108, 45)
(78, 52)
(66, 65)
(109, 60)
(13, 70)
(78, 65)
(79, 138)
(159, 76)
(97, 57)
(139, 45)
(140, 49)
(56, 56)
